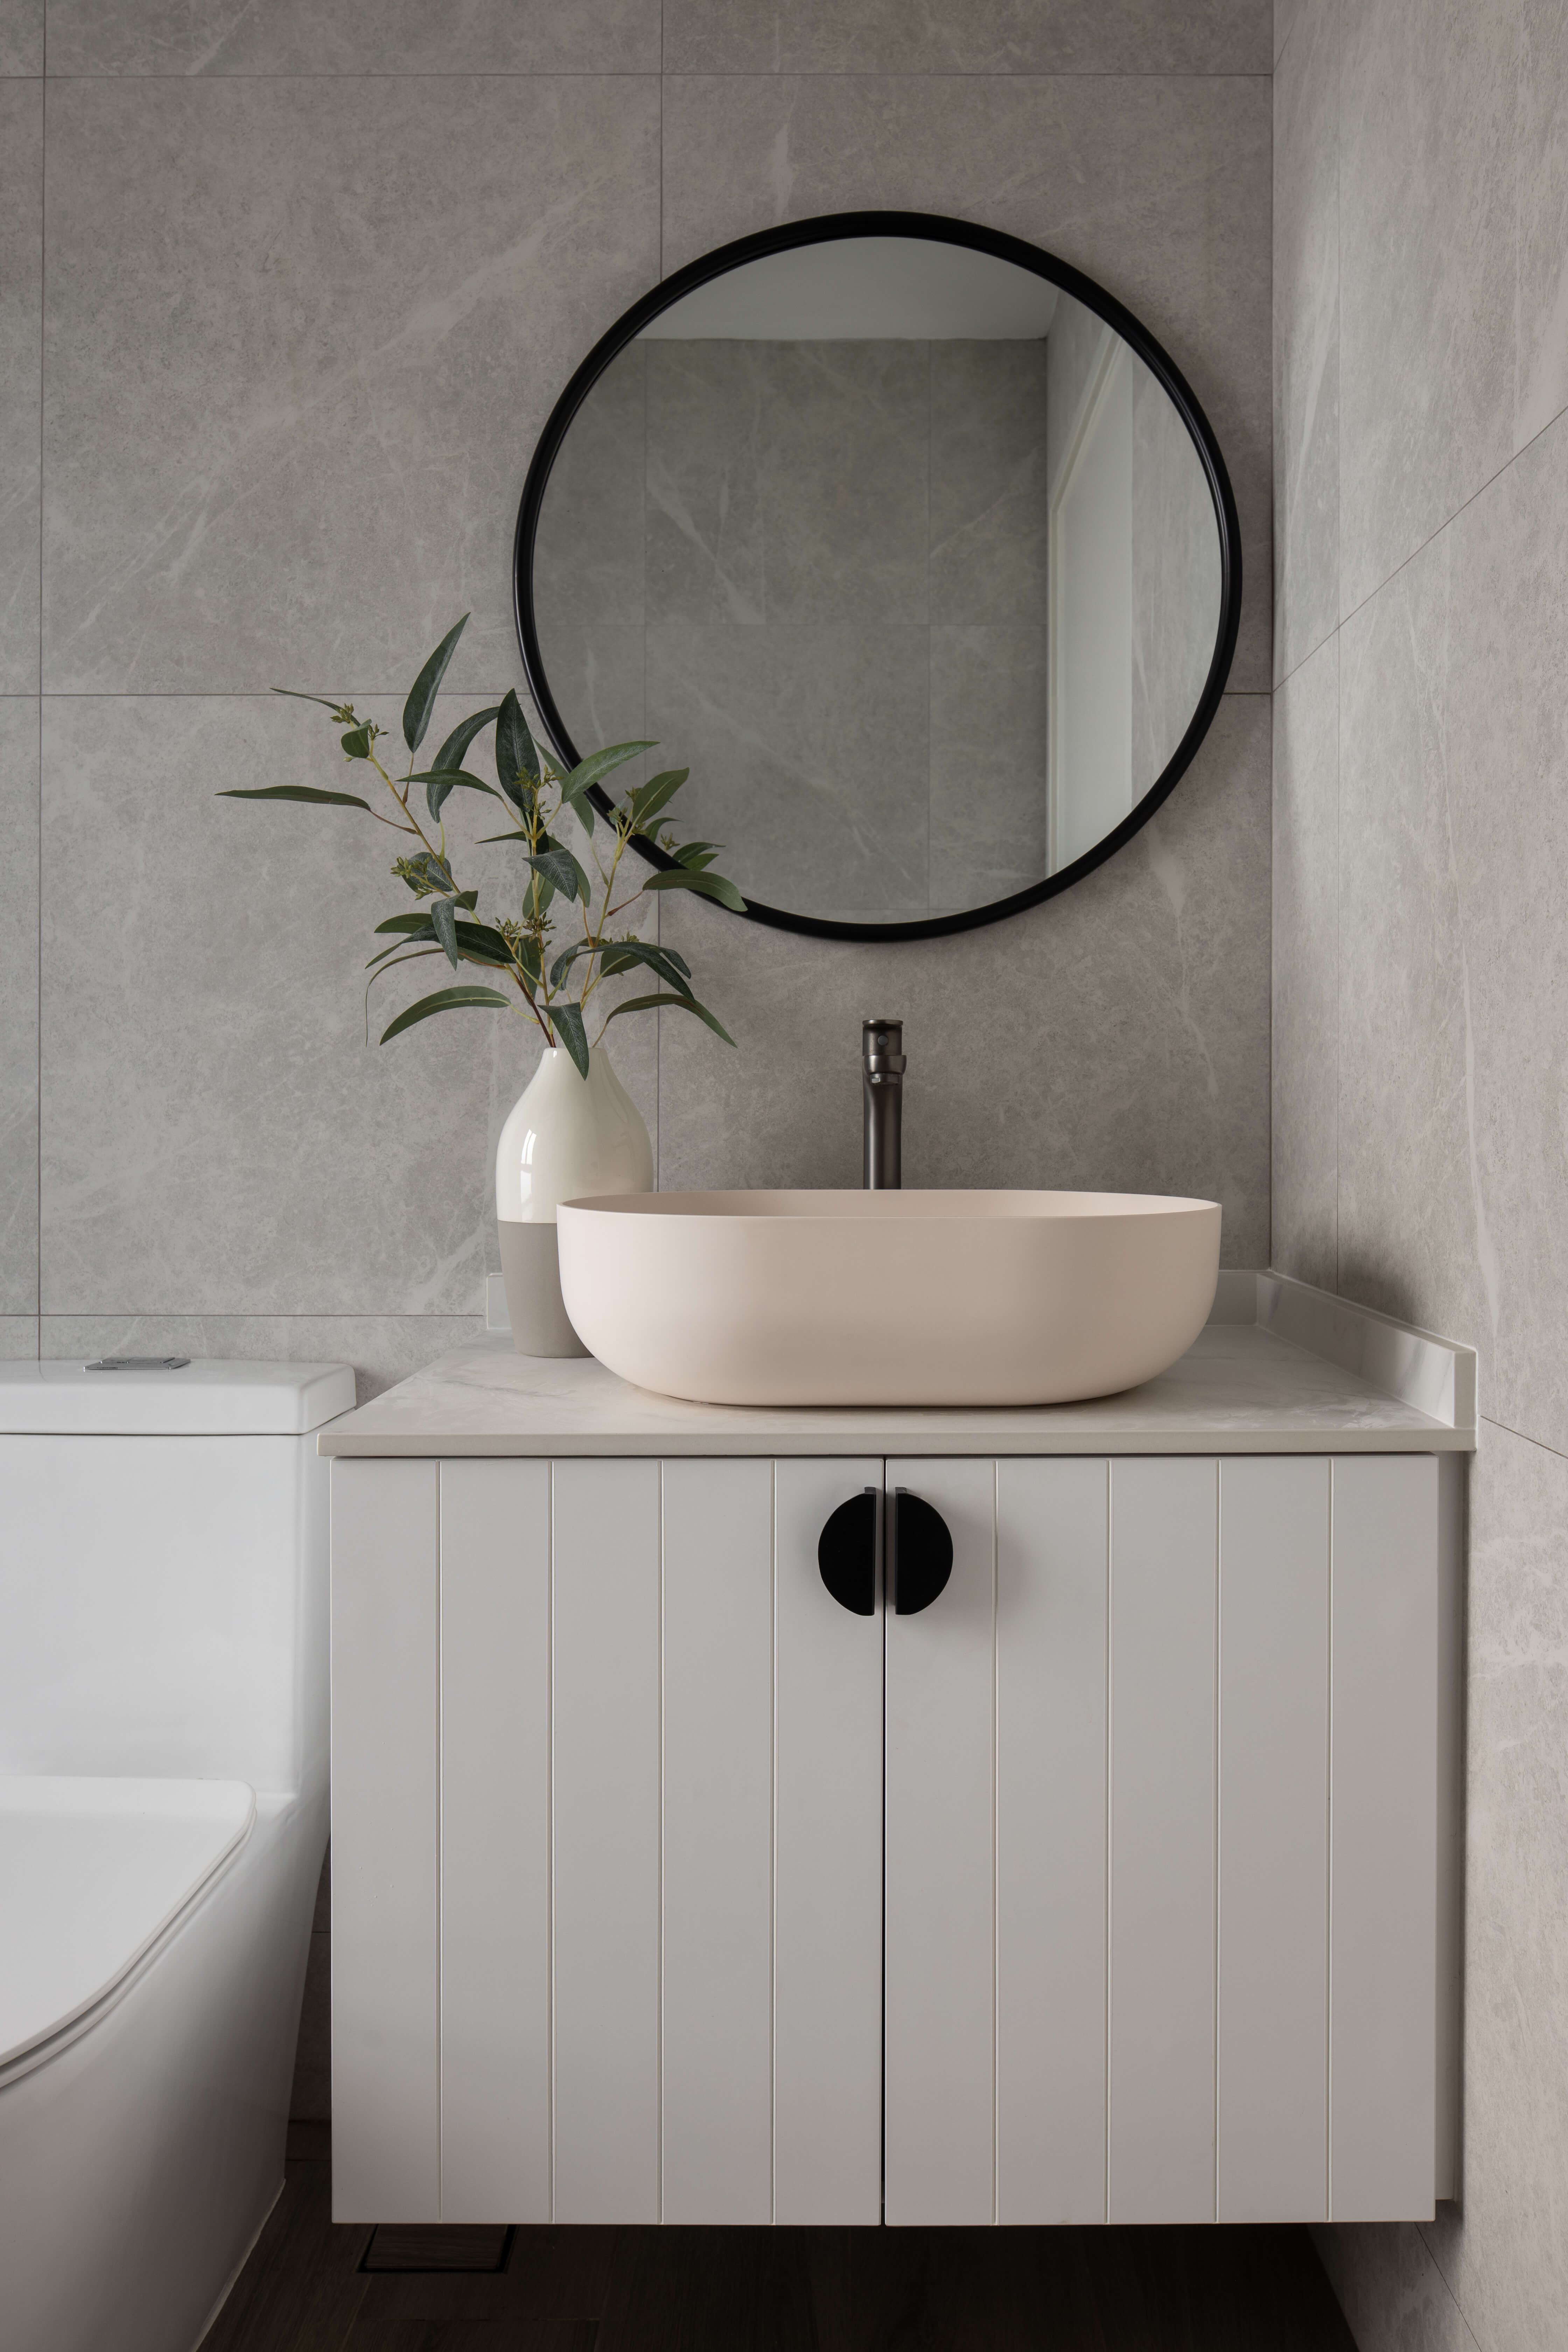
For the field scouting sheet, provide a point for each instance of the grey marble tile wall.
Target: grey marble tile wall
(1421, 957)
(304, 283)
(21, 352)
(19, 1000)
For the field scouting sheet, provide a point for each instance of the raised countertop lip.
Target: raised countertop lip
(1280, 1368)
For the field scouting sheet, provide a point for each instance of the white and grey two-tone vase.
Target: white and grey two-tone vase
(566, 1136)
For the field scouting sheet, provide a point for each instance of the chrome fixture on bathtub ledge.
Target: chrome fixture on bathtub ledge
(882, 1069)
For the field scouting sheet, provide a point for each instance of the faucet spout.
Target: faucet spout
(883, 1068)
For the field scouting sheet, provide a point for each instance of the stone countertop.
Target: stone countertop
(1303, 1374)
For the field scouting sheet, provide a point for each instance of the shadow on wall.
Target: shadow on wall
(311, 2100)
(1371, 1282)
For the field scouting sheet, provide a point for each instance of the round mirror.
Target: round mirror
(909, 543)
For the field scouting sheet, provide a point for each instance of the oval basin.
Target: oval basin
(888, 1298)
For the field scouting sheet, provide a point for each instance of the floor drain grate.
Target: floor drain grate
(436, 2246)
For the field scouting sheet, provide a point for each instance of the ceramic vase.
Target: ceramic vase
(566, 1136)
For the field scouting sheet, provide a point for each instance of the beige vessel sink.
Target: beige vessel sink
(888, 1298)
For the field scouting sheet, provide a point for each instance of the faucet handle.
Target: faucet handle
(883, 1048)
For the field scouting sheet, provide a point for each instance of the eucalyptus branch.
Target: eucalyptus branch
(534, 792)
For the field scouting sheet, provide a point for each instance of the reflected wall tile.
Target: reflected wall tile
(1502, 2251)
(705, 460)
(988, 736)
(1305, 336)
(596, 675)
(19, 997)
(1413, 1228)
(1090, 36)
(329, 355)
(1176, 583)
(1542, 168)
(989, 522)
(21, 37)
(809, 751)
(1508, 752)
(217, 1137)
(1390, 2289)
(588, 549)
(21, 294)
(1427, 191)
(1157, 187)
(846, 481)
(1306, 1057)
(383, 1349)
(18, 1338)
(353, 36)
(1115, 1037)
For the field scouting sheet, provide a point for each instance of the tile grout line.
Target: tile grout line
(392, 694)
(1273, 629)
(661, 73)
(1339, 554)
(658, 907)
(39, 785)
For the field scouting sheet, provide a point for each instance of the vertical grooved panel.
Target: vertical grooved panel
(718, 1842)
(385, 2018)
(1383, 1797)
(495, 1840)
(940, 1983)
(827, 1869)
(606, 1838)
(1052, 1534)
(1274, 1839)
(1163, 1540)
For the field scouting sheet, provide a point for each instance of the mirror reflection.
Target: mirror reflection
(905, 552)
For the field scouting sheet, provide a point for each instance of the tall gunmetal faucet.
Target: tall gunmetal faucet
(882, 1069)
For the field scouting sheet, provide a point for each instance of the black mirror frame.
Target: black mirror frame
(932, 228)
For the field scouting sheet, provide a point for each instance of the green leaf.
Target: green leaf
(562, 871)
(440, 782)
(443, 1000)
(676, 1004)
(575, 798)
(482, 945)
(696, 855)
(428, 875)
(476, 941)
(356, 743)
(567, 1021)
(599, 763)
(327, 704)
(452, 752)
(297, 792)
(710, 886)
(516, 836)
(628, 956)
(444, 923)
(426, 686)
(516, 757)
(530, 962)
(564, 961)
(645, 802)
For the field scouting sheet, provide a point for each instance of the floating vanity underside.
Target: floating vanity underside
(1116, 1885)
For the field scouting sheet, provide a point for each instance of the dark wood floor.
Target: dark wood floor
(1237, 2290)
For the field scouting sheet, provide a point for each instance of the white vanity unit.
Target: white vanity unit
(1116, 1885)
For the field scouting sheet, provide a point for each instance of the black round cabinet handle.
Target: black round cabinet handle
(921, 1553)
(846, 1553)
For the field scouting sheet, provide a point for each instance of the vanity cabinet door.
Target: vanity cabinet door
(607, 1845)
(1161, 1844)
